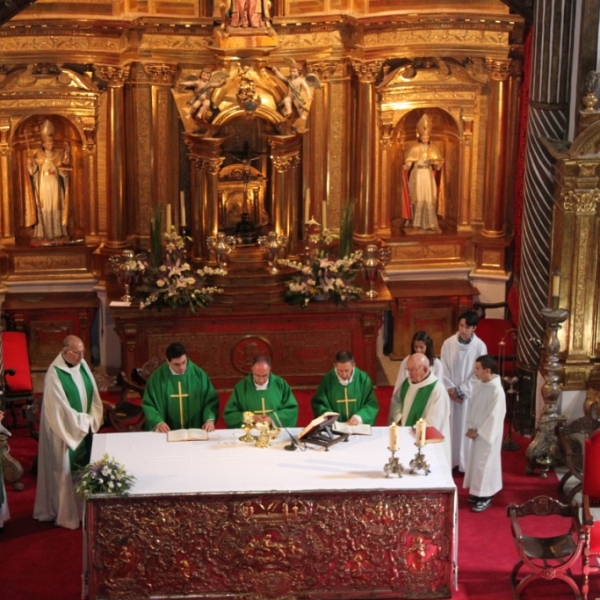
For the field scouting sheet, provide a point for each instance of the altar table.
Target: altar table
(224, 519)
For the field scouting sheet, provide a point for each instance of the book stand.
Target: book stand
(324, 435)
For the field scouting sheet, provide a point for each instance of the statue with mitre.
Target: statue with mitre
(422, 193)
(47, 202)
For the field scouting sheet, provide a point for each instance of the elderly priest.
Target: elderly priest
(346, 390)
(179, 395)
(267, 396)
(422, 395)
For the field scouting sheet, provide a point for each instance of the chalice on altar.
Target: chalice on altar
(127, 267)
(248, 426)
(264, 439)
(373, 263)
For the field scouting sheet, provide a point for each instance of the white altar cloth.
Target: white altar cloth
(223, 464)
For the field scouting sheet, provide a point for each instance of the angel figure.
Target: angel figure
(201, 106)
(299, 86)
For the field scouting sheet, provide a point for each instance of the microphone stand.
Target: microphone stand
(295, 443)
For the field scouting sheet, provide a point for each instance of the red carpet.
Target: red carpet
(44, 562)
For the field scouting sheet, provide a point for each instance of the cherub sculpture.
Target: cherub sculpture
(201, 106)
(300, 91)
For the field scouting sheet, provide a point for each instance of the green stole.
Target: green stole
(79, 457)
(419, 403)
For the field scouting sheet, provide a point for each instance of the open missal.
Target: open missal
(186, 435)
(362, 429)
(432, 434)
(327, 418)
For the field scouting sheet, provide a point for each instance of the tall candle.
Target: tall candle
(394, 439)
(182, 218)
(324, 215)
(420, 431)
(307, 206)
(556, 284)
(168, 219)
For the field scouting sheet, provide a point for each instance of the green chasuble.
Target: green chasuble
(357, 398)
(419, 403)
(181, 401)
(79, 457)
(277, 398)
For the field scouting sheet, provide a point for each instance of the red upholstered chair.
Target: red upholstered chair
(549, 556)
(17, 372)
(590, 498)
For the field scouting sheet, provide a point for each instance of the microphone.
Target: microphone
(294, 441)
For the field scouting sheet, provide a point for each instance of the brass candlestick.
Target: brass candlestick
(393, 466)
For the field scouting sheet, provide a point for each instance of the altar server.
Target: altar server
(179, 395)
(346, 390)
(71, 413)
(263, 393)
(485, 426)
(458, 357)
(422, 395)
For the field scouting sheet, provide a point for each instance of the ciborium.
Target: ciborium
(127, 267)
(373, 263)
(274, 244)
(221, 245)
(248, 426)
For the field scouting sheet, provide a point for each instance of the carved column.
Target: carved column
(363, 184)
(385, 180)
(6, 210)
(495, 172)
(466, 166)
(316, 142)
(90, 156)
(115, 78)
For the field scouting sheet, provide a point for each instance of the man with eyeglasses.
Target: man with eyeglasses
(179, 395)
(71, 413)
(422, 395)
(267, 396)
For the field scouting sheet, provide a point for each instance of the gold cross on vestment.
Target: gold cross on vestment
(181, 396)
(264, 410)
(346, 401)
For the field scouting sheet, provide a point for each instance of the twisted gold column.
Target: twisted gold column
(366, 147)
(115, 78)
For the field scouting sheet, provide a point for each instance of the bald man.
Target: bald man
(422, 395)
(71, 413)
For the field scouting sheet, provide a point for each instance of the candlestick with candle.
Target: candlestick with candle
(393, 465)
(182, 215)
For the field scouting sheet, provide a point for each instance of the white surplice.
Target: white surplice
(61, 428)
(437, 369)
(459, 362)
(486, 413)
(436, 413)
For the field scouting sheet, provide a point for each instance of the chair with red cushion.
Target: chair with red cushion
(18, 385)
(590, 498)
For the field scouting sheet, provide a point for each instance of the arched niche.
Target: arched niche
(25, 141)
(446, 136)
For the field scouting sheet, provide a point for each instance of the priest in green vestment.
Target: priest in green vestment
(179, 395)
(269, 397)
(346, 390)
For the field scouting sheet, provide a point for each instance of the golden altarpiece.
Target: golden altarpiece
(124, 87)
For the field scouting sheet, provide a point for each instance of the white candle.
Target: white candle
(168, 219)
(182, 218)
(556, 284)
(421, 429)
(394, 439)
(324, 215)
(307, 205)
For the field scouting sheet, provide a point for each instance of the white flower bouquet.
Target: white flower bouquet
(105, 476)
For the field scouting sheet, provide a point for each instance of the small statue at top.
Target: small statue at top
(48, 204)
(421, 192)
(252, 14)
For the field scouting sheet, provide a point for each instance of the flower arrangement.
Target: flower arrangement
(324, 279)
(105, 476)
(174, 284)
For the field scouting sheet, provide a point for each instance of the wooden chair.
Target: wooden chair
(571, 437)
(546, 557)
(18, 385)
(590, 499)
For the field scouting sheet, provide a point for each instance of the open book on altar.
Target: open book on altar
(362, 429)
(187, 435)
(432, 434)
(325, 420)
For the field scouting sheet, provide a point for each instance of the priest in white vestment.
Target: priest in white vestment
(485, 426)
(71, 413)
(4, 514)
(458, 358)
(422, 395)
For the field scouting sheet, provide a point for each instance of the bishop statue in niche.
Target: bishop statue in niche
(422, 172)
(47, 202)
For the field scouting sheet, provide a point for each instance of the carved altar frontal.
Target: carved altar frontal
(387, 544)
(224, 519)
